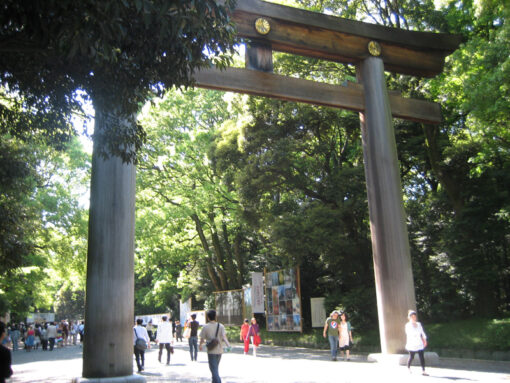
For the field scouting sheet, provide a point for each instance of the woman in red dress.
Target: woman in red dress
(244, 335)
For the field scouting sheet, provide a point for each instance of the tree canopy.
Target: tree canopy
(54, 54)
(229, 184)
(118, 52)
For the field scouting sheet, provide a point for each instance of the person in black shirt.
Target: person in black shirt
(5, 356)
(193, 337)
(178, 331)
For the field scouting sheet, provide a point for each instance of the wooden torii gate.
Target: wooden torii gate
(373, 49)
(109, 312)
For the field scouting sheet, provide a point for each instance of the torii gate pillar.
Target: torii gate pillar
(390, 245)
(109, 306)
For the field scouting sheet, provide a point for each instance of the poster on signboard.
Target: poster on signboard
(257, 292)
(40, 317)
(200, 316)
(318, 311)
(248, 308)
(184, 309)
(155, 319)
(229, 307)
(283, 300)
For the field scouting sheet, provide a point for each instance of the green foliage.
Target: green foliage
(32, 120)
(44, 229)
(70, 302)
(118, 52)
(472, 334)
(4, 305)
(462, 335)
(459, 213)
(298, 173)
(25, 290)
(18, 180)
(194, 242)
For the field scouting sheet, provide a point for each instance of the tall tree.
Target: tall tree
(44, 240)
(199, 233)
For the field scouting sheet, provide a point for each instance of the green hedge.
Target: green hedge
(472, 334)
(311, 338)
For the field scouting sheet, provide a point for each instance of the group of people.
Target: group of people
(164, 338)
(336, 328)
(250, 333)
(339, 333)
(47, 335)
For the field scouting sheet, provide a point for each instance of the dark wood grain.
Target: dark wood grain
(333, 38)
(349, 97)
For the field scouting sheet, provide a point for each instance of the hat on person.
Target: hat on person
(411, 312)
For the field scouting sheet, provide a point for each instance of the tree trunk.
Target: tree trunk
(239, 259)
(434, 153)
(219, 253)
(231, 271)
(205, 245)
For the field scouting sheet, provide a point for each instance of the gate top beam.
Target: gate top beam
(317, 35)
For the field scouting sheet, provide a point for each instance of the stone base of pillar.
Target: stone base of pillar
(116, 379)
(431, 359)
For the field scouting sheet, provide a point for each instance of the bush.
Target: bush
(471, 334)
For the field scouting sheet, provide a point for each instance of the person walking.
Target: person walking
(74, 329)
(81, 331)
(30, 339)
(52, 335)
(416, 340)
(345, 339)
(5, 356)
(164, 338)
(178, 331)
(44, 337)
(215, 335)
(14, 335)
(332, 332)
(37, 338)
(150, 329)
(140, 332)
(193, 337)
(245, 327)
(254, 335)
(65, 332)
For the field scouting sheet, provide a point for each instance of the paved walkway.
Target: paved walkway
(272, 364)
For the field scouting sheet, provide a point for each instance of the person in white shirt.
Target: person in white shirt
(52, 334)
(140, 332)
(164, 338)
(74, 331)
(416, 340)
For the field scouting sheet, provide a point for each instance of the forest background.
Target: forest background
(230, 184)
